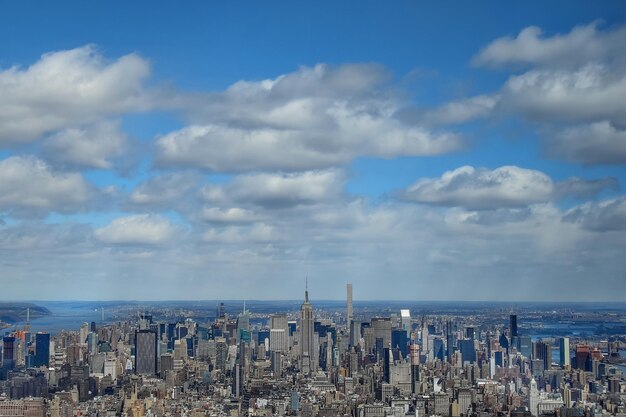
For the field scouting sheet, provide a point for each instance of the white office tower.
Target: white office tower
(533, 398)
(349, 304)
(279, 321)
(279, 333)
(278, 340)
(405, 320)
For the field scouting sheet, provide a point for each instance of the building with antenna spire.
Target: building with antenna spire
(243, 325)
(307, 348)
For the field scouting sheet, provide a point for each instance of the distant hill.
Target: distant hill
(15, 312)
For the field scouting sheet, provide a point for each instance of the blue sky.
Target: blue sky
(478, 147)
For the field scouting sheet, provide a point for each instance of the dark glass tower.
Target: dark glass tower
(8, 352)
(514, 325)
(42, 349)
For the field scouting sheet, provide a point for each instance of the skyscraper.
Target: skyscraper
(243, 325)
(8, 352)
(564, 354)
(583, 357)
(279, 333)
(405, 320)
(468, 350)
(306, 336)
(513, 325)
(382, 330)
(543, 351)
(145, 352)
(400, 340)
(533, 398)
(449, 340)
(525, 346)
(349, 304)
(42, 349)
(355, 332)
(278, 340)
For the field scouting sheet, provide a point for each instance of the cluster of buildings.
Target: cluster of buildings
(307, 364)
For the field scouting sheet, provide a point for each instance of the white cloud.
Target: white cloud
(498, 216)
(166, 190)
(575, 84)
(29, 187)
(591, 93)
(604, 216)
(584, 189)
(68, 88)
(462, 111)
(313, 118)
(592, 144)
(256, 233)
(481, 188)
(94, 146)
(228, 215)
(65, 239)
(148, 229)
(287, 190)
(581, 45)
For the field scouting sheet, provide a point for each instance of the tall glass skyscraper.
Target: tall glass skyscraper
(42, 349)
(564, 354)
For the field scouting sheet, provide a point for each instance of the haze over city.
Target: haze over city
(422, 151)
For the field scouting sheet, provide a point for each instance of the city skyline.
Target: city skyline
(417, 151)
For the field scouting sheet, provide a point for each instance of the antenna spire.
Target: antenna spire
(306, 290)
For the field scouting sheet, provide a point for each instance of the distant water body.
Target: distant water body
(70, 315)
(64, 316)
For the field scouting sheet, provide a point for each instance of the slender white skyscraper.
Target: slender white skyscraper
(533, 398)
(349, 306)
